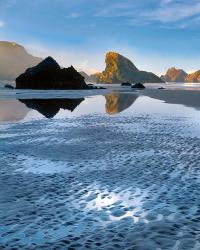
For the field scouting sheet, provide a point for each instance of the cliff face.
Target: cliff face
(86, 76)
(174, 75)
(194, 77)
(14, 59)
(120, 69)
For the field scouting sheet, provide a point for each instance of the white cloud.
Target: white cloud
(2, 24)
(74, 15)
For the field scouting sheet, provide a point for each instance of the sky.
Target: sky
(154, 34)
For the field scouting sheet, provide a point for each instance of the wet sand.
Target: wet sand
(189, 98)
(128, 181)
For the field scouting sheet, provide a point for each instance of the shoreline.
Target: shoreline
(186, 97)
(189, 98)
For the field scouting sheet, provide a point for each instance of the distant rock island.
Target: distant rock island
(87, 77)
(194, 77)
(120, 69)
(179, 75)
(14, 60)
(174, 75)
(48, 75)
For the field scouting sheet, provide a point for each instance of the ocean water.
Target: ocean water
(109, 169)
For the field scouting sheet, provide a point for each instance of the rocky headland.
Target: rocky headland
(14, 60)
(120, 69)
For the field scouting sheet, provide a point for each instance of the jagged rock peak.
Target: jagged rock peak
(47, 64)
(120, 69)
(115, 60)
(48, 75)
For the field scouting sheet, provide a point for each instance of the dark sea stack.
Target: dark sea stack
(138, 86)
(125, 84)
(92, 86)
(14, 60)
(116, 103)
(8, 86)
(50, 107)
(120, 69)
(49, 75)
(174, 75)
(194, 77)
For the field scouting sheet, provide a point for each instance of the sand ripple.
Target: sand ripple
(97, 182)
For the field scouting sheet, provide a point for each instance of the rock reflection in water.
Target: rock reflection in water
(50, 107)
(116, 103)
(12, 110)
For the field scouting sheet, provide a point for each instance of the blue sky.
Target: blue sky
(154, 34)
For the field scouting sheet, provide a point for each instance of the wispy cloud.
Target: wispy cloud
(1, 24)
(160, 11)
(172, 11)
(74, 15)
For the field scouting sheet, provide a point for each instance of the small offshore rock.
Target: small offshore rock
(138, 86)
(8, 86)
(125, 84)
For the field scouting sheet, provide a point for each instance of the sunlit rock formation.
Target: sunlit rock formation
(120, 69)
(49, 75)
(174, 75)
(116, 103)
(14, 60)
(50, 107)
(194, 77)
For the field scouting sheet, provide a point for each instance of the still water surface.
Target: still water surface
(116, 170)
